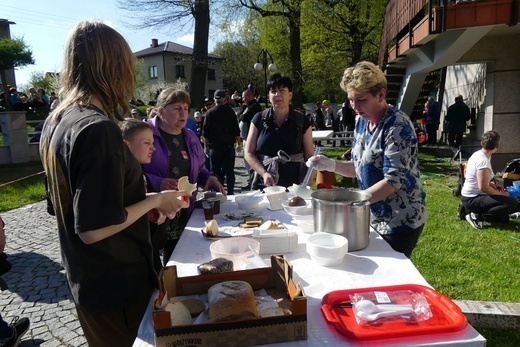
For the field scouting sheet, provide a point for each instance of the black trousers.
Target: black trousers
(223, 165)
(431, 130)
(494, 208)
(455, 139)
(404, 242)
(115, 328)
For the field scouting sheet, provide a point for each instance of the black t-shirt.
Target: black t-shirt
(179, 165)
(92, 177)
(272, 138)
(320, 119)
(221, 126)
(178, 158)
(252, 108)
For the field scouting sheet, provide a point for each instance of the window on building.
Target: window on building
(152, 71)
(211, 74)
(179, 71)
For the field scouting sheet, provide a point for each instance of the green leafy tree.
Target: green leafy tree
(337, 34)
(237, 65)
(48, 82)
(13, 53)
(358, 23)
(333, 34)
(288, 12)
(240, 51)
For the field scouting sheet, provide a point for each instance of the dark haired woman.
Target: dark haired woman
(481, 197)
(279, 128)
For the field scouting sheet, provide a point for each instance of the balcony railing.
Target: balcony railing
(408, 22)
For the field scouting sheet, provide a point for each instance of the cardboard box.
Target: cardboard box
(235, 333)
(276, 241)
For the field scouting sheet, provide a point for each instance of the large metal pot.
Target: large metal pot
(344, 212)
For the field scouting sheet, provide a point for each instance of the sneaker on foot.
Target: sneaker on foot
(515, 215)
(473, 219)
(20, 327)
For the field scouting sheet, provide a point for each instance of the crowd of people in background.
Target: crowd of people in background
(33, 101)
(130, 162)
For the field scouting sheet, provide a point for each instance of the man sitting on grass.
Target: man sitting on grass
(481, 197)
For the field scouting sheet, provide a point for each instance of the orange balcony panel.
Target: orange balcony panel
(504, 13)
(420, 31)
(478, 14)
(485, 15)
(437, 19)
(464, 17)
(392, 54)
(404, 44)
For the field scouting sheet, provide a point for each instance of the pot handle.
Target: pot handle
(360, 203)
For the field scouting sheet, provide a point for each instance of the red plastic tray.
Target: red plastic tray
(447, 316)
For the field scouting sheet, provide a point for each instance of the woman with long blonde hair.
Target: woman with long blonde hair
(97, 189)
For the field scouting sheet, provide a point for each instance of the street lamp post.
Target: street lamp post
(261, 63)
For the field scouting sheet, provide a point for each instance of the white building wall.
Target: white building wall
(492, 62)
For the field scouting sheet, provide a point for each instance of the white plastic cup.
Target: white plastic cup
(276, 195)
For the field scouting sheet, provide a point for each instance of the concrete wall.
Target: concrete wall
(14, 131)
(502, 105)
(488, 77)
(218, 82)
(154, 61)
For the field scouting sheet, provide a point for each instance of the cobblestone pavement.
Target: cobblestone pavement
(37, 284)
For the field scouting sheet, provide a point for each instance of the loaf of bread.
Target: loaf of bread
(179, 313)
(231, 300)
(271, 225)
(215, 266)
(195, 306)
(184, 184)
(212, 228)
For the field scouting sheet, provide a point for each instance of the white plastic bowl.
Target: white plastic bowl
(303, 218)
(307, 226)
(248, 202)
(273, 189)
(301, 191)
(327, 249)
(235, 249)
(297, 210)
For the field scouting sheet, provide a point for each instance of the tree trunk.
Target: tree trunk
(199, 64)
(6, 90)
(295, 51)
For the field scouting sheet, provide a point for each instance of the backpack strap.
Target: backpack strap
(299, 128)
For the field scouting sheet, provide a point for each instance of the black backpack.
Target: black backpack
(513, 166)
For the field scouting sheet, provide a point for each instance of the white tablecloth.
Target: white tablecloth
(322, 134)
(377, 265)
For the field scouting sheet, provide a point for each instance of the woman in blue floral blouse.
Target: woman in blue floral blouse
(384, 159)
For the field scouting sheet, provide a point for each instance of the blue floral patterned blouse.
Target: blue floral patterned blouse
(389, 152)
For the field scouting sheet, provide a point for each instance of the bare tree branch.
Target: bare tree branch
(255, 6)
(174, 15)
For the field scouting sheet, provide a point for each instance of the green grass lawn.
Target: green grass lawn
(457, 260)
(27, 185)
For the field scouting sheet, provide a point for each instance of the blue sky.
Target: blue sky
(44, 26)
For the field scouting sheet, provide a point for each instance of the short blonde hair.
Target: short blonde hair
(363, 77)
(172, 96)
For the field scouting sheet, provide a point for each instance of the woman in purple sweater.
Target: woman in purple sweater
(178, 153)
